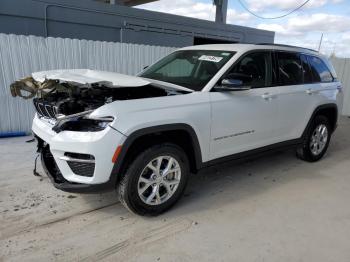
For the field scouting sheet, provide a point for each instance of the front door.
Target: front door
(245, 120)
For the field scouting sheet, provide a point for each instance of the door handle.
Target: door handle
(311, 91)
(268, 96)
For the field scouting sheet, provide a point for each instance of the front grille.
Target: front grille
(82, 169)
(45, 109)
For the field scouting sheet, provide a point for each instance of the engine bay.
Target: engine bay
(54, 98)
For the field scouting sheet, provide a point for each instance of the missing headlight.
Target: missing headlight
(82, 123)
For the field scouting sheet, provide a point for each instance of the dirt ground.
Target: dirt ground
(275, 208)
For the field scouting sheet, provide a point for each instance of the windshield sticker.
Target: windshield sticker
(215, 59)
(225, 54)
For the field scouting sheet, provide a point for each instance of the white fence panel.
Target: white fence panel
(22, 55)
(342, 67)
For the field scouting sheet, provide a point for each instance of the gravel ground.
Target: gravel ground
(275, 208)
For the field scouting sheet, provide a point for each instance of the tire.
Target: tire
(309, 151)
(142, 173)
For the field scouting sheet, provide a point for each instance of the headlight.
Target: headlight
(82, 122)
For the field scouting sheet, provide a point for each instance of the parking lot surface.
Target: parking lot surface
(274, 208)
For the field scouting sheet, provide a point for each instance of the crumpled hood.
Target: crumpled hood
(87, 76)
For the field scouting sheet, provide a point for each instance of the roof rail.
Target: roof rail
(282, 45)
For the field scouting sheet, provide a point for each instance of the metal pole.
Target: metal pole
(221, 11)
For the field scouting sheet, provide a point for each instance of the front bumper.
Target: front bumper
(101, 145)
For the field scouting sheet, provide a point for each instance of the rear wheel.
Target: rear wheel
(155, 180)
(316, 140)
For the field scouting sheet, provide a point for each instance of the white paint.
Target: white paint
(86, 76)
(262, 116)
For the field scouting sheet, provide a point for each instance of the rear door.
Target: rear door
(305, 82)
(295, 84)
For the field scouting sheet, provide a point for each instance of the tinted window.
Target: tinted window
(189, 68)
(289, 69)
(253, 70)
(307, 73)
(177, 68)
(320, 72)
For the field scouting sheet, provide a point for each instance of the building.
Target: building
(95, 20)
(37, 35)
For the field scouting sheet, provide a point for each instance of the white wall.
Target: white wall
(342, 67)
(22, 55)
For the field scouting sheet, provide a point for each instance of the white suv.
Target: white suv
(196, 107)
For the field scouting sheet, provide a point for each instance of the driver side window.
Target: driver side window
(254, 70)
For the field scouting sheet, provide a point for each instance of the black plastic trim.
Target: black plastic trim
(254, 152)
(316, 111)
(79, 187)
(158, 129)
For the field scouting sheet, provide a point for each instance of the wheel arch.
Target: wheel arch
(155, 134)
(328, 110)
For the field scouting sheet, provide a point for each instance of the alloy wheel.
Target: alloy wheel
(319, 139)
(159, 180)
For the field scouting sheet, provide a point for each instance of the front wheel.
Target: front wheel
(155, 180)
(316, 140)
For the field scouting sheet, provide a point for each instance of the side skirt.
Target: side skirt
(254, 153)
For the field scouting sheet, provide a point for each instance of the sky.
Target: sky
(302, 28)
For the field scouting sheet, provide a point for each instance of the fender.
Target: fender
(157, 129)
(316, 111)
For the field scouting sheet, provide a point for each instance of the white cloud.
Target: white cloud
(310, 23)
(279, 29)
(305, 30)
(336, 42)
(302, 30)
(195, 9)
(266, 5)
(320, 22)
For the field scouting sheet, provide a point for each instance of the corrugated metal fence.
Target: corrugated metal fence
(22, 55)
(342, 67)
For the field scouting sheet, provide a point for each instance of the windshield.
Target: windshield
(189, 68)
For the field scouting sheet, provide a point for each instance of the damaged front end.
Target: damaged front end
(67, 104)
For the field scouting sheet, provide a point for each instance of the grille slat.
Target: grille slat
(45, 109)
(40, 107)
(49, 110)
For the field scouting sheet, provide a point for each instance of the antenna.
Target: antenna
(319, 45)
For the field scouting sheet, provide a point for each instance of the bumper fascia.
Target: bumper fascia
(101, 145)
(82, 188)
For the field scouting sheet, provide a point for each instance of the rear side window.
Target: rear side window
(320, 71)
(307, 73)
(289, 69)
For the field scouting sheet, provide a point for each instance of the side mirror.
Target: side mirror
(234, 82)
(228, 84)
